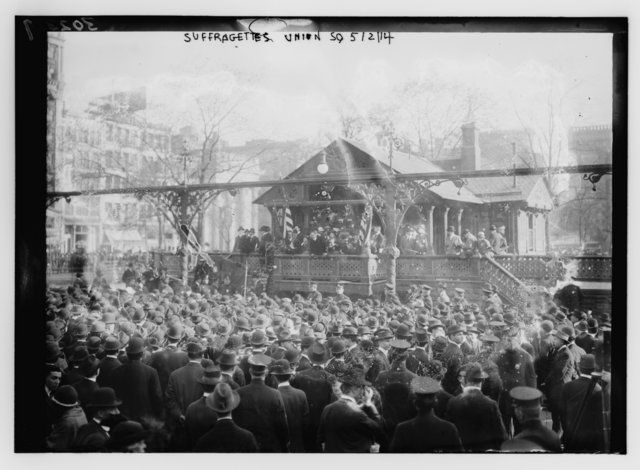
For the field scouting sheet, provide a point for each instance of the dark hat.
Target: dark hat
(363, 330)
(125, 434)
(382, 334)
(400, 344)
(89, 367)
(65, 396)
(52, 351)
(582, 326)
(475, 372)
(291, 354)
(79, 354)
(489, 338)
(112, 344)
(354, 376)
(175, 332)
(318, 353)
(104, 397)
(592, 325)
(568, 330)
(435, 324)
(526, 396)
(307, 341)
(136, 345)
(454, 329)
(421, 320)
(547, 326)
(509, 318)
(561, 335)
(223, 399)
(587, 363)
(338, 347)
(403, 331)
(258, 338)
(243, 324)
(425, 386)
(349, 332)
(228, 358)
(210, 376)
(194, 348)
(259, 360)
(421, 335)
(281, 367)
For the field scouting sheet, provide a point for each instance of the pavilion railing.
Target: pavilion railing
(325, 268)
(537, 269)
(591, 268)
(416, 268)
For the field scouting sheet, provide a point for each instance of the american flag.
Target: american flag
(288, 222)
(194, 247)
(365, 223)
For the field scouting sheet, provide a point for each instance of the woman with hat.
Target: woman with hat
(225, 435)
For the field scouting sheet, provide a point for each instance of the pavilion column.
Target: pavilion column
(433, 248)
(515, 212)
(460, 221)
(546, 233)
(446, 222)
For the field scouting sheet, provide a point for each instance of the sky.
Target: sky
(292, 90)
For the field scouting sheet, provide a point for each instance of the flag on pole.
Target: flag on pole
(288, 222)
(194, 247)
(365, 220)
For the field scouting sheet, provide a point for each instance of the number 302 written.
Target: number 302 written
(78, 25)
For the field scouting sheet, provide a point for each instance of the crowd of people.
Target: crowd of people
(168, 370)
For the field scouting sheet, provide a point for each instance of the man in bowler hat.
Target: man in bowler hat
(476, 416)
(295, 405)
(226, 435)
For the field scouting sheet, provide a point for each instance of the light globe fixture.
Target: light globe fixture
(322, 167)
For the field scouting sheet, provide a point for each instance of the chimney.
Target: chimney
(470, 152)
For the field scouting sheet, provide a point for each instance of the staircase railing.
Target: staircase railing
(508, 285)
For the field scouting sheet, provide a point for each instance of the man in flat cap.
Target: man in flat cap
(476, 416)
(261, 410)
(534, 435)
(347, 426)
(426, 432)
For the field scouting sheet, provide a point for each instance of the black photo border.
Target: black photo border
(31, 106)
